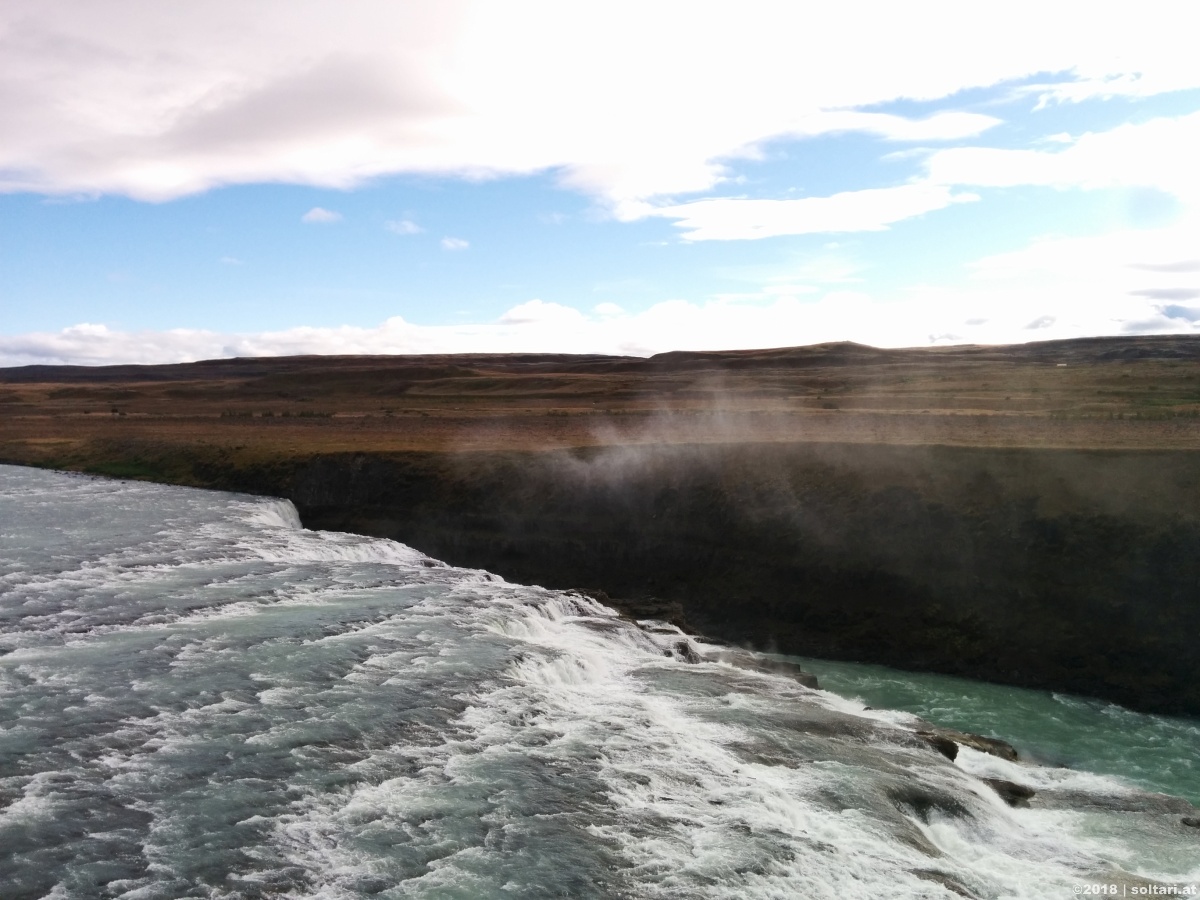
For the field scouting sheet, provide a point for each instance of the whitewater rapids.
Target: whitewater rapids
(199, 698)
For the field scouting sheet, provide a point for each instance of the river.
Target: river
(200, 698)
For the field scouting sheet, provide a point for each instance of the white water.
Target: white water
(201, 699)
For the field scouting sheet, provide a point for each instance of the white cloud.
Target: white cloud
(986, 311)
(625, 100)
(733, 218)
(403, 226)
(944, 126)
(1160, 154)
(538, 312)
(1125, 260)
(319, 216)
(1132, 280)
(157, 101)
(1129, 280)
(93, 344)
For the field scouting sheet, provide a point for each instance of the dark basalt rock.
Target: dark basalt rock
(941, 744)
(1064, 570)
(1191, 821)
(1010, 792)
(949, 882)
(922, 801)
(639, 608)
(685, 651)
(993, 746)
(1146, 802)
(744, 659)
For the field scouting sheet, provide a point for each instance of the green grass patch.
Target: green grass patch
(125, 469)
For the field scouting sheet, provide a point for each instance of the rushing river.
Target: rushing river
(198, 698)
(1161, 753)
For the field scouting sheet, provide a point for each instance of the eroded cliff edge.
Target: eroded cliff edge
(1062, 569)
(1025, 514)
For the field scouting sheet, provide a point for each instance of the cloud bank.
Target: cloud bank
(625, 101)
(732, 218)
(645, 108)
(989, 312)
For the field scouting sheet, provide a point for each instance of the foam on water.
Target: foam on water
(278, 513)
(201, 699)
(1157, 753)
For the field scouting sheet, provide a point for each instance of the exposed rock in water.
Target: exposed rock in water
(921, 801)
(744, 659)
(639, 608)
(947, 881)
(1191, 821)
(1010, 792)
(941, 744)
(993, 746)
(671, 612)
(685, 651)
(1150, 803)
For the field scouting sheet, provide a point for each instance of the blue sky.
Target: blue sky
(185, 183)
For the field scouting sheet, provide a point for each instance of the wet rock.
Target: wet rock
(921, 801)
(638, 608)
(1191, 821)
(949, 882)
(604, 626)
(744, 659)
(940, 743)
(685, 651)
(994, 746)
(1146, 802)
(1010, 792)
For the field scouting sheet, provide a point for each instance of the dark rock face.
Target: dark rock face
(744, 659)
(1010, 792)
(645, 608)
(993, 746)
(921, 802)
(1069, 570)
(685, 651)
(941, 744)
(947, 741)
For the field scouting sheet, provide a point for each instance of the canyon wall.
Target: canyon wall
(1061, 569)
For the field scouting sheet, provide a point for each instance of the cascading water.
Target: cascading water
(198, 698)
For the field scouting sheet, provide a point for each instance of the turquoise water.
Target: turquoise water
(1161, 753)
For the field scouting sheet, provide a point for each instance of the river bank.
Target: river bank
(930, 521)
(1054, 569)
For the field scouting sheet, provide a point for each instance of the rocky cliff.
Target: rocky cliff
(1027, 514)
(1069, 570)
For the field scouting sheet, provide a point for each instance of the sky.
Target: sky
(183, 181)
